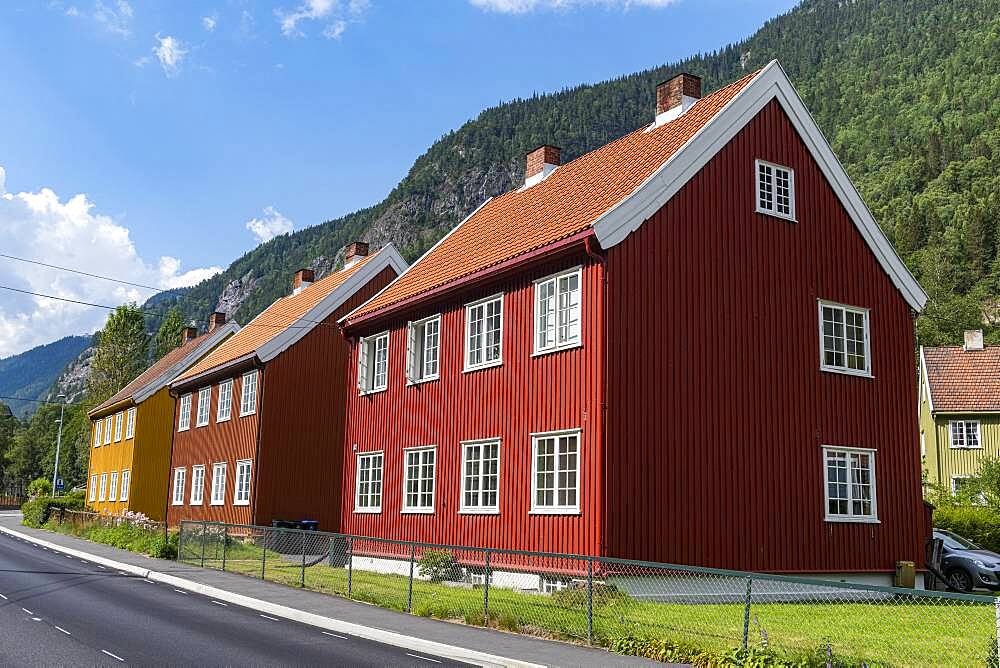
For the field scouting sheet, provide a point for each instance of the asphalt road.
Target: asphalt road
(58, 610)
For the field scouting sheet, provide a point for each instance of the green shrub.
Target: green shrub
(36, 511)
(39, 487)
(475, 618)
(509, 622)
(979, 524)
(439, 565)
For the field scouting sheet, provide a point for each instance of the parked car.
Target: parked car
(967, 565)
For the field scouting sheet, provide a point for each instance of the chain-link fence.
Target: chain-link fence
(617, 603)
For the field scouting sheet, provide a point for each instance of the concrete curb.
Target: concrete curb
(328, 623)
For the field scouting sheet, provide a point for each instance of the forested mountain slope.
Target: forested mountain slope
(907, 92)
(32, 373)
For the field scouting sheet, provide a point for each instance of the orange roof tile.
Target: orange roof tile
(962, 380)
(273, 320)
(565, 203)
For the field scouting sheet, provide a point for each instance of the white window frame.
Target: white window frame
(204, 414)
(126, 481)
(555, 509)
(241, 466)
(467, 350)
(224, 410)
(113, 486)
(102, 494)
(216, 467)
(366, 363)
(850, 517)
(248, 400)
(572, 342)
(184, 413)
(107, 429)
(867, 371)
(965, 435)
(955, 479)
(550, 584)
(197, 485)
(407, 509)
(773, 211)
(98, 424)
(92, 496)
(415, 375)
(130, 423)
(119, 423)
(358, 508)
(480, 509)
(180, 480)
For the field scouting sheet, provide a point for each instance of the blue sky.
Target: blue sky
(181, 124)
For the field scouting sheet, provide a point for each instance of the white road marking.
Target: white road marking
(3, 597)
(122, 573)
(224, 605)
(101, 567)
(113, 656)
(425, 658)
(273, 619)
(181, 591)
(59, 628)
(150, 582)
(335, 635)
(36, 619)
(28, 611)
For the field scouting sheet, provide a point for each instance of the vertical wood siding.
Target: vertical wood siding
(526, 394)
(717, 407)
(116, 456)
(151, 457)
(943, 461)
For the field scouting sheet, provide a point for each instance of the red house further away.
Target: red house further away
(693, 345)
(260, 420)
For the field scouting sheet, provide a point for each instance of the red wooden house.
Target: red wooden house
(692, 345)
(259, 421)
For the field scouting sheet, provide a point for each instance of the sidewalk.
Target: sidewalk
(465, 643)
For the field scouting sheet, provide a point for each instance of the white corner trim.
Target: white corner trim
(927, 384)
(202, 349)
(387, 256)
(771, 83)
(259, 605)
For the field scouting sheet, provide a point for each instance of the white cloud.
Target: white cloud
(209, 23)
(270, 225)
(332, 13)
(526, 6)
(72, 11)
(335, 30)
(170, 51)
(41, 226)
(116, 17)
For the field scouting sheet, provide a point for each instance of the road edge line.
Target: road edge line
(329, 623)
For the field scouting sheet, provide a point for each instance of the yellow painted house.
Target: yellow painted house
(132, 431)
(959, 409)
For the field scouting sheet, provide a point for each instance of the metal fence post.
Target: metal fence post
(486, 591)
(204, 538)
(302, 583)
(225, 544)
(590, 601)
(180, 543)
(746, 613)
(409, 595)
(263, 554)
(350, 565)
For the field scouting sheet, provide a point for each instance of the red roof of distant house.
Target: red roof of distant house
(961, 380)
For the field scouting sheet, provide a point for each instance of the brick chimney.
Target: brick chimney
(188, 333)
(675, 96)
(217, 319)
(540, 163)
(973, 340)
(303, 277)
(354, 252)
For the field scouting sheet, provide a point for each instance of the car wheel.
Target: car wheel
(960, 579)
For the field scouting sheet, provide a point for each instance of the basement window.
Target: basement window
(844, 339)
(373, 363)
(368, 486)
(184, 414)
(850, 485)
(557, 312)
(204, 401)
(178, 496)
(775, 190)
(964, 435)
(423, 342)
(418, 483)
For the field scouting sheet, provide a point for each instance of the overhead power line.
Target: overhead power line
(83, 273)
(36, 401)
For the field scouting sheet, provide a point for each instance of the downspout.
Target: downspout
(601, 262)
(173, 435)
(256, 456)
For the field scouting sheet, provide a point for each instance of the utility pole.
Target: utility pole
(55, 469)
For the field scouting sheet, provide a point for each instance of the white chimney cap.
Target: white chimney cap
(973, 339)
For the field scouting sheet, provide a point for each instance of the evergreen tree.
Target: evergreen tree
(168, 336)
(121, 353)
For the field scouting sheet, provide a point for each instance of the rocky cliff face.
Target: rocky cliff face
(235, 293)
(73, 380)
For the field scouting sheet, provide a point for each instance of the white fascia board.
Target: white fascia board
(387, 256)
(421, 258)
(202, 349)
(614, 225)
(927, 383)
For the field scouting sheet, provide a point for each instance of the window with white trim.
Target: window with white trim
(418, 480)
(218, 484)
(225, 406)
(107, 429)
(373, 363)
(248, 394)
(844, 339)
(551, 585)
(423, 341)
(557, 311)
(481, 476)
(555, 472)
(964, 435)
(130, 423)
(775, 190)
(93, 488)
(484, 333)
(241, 488)
(959, 482)
(184, 415)
(113, 487)
(204, 406)
(197, 484)
(126, 480)
(850, 484)
(118, 426)
(368, 483)
(179, 475)
(103, 495)
(97, 433)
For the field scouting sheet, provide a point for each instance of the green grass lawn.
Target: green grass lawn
(880, 633)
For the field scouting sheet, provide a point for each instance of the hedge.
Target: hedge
(36, 512)
(979, 524)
